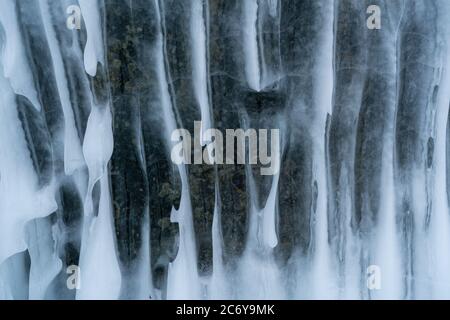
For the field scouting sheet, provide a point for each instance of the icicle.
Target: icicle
(183, 280)
(269, 216)
(387, 251)
(323, 279)
(20, 198)
(199, 61)
(14, 59)
(219, 286)
(73, 157)
(99, 267)
(259, 277)
(93, 52)
(440, 222)
(45, 264)
(250, 42)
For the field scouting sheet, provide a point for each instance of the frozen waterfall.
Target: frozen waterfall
(94, 92)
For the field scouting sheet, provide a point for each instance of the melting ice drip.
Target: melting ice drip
(85, 173)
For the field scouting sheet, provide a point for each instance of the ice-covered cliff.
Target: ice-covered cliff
(93, 207)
